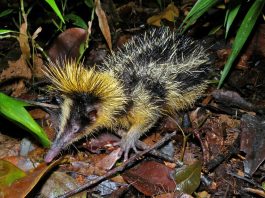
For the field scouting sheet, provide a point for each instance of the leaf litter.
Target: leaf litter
(223, 121)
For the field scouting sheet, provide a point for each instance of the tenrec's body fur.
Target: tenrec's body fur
(155, 74)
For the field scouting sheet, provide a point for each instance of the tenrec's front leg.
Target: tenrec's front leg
(130, 138)
(139, 119)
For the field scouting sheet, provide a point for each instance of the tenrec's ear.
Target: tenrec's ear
(54, 116)
(91, 112)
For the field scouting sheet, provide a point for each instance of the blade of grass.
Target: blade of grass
(230, 17)
(197, 10)
(55, 9)
(242, 35)
(4, 31)
(6, 12)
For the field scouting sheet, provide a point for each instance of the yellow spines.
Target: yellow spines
(143, 111)
(72, 78)
(181, 100)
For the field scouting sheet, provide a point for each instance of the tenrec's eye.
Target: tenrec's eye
(75, 128)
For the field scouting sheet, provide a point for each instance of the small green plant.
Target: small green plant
(15, 111)
(233, 9)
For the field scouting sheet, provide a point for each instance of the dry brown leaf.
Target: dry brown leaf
(8, 146)
(19, 88)
(23, 41)
(170, 14)
(109, 161)
(38, 114)
(38, 66)
(36, 33)
(150, 178)
(26, 184)
(252, 142)
(59, 183)
(16, 69)
(103, 23)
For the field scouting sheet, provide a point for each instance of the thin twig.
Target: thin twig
(251, 181)
(41, 104)
(119, 168)
(185, 139)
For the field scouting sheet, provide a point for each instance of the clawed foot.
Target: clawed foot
(126, 144)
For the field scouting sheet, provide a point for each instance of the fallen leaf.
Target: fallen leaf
(24, 185)
(24, 163)
(16, 69)
(232, 98)
(38, 114)
(151, 178)
(9, 173)
(103, 23)
(38, 66)
(104, 141)
(8, 146)
(188, 177)
(173, 195)
(104, 188)
(59, 183)
(170, 14)
(252, 142)
(204, 194)
(109, 161)
(18, 88)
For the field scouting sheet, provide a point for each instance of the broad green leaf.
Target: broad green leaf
(197, 10)
(6, 12)
(242, 35)
(188, 178)
(77, 20)
(55, 9)
(9, 173)
(230, 16)
(14, 110)
(3, 31)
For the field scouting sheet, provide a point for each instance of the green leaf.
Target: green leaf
(9, 173)
(89, 3)
(3, 31)
(242, 35)
(188, 177)
(215, 29)
(159, 3)
(14, 110)
(77, 20)
(6, 12)
(230, 16)
(55, 9)
(197, 10)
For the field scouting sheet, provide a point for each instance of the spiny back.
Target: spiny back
(160, 57)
